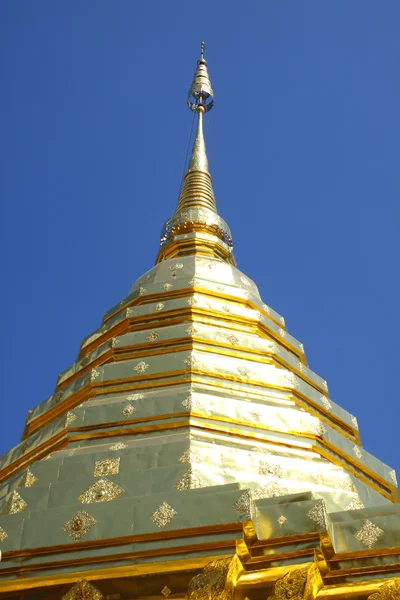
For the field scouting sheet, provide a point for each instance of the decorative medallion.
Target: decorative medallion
(226, 308)
(165, 591)
(192, 301)
(94, 374)
(128, 411)
(194, 282)
(191, 330)
(79, 525)
(243, 372)
(282, 332)
(213, 583)
(118, 446)
(14, 504)
(167, 286)
(355, 422)
(28, 479)
(141, 367)
(189, 456)
(159, 306)
(108, 466)
(114, 342)
(3, 535)
(357, 452)
(83, 590)
(317, 514)
(368, 534)
(267, 468)
(130, 312)
(387, 591)
(355, 504)
(190, 403)
(102, 490)
(163, 515)
(244, 505)
(255, 416)
(152, 337)
(281, 520)
(392, 475)
(70, 418)
(301, 367)
(135, 397)
(271, 490)
(325, 402)
(191, 480)
(191, 361)
(232, 339)
(142, 291)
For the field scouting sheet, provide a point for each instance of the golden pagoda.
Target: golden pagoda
(190, 452)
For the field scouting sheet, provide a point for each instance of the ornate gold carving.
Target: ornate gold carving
(368, 534)
(355, 422)
(319, 428)
(142, 291)
(108, 466)
(191, 362)
(392, 475)
(128, 410)
(167, 286)
(387, 591)
(190, 403)
(226, 308)
(191, 301)
(355, 504)
(189, 456)
(244, 505)
(28, 479)
(79, 525)
(281, 520)
(267, 468)
(190, 480)
(232, 339)
(83, 590)
(282, 332)
(165, 591)
(3, 535)
(292, 586)
(70, 418)
(119, 446)
(191, 330)
(135, 397)
(255, 416)
(159, 306)
(102, 490)
(217, 581)
(14, 504)
(163, 515)
(357, 452)
(152, 337)
(290, 380)
(141, 367)
(325, 402)
(270, 490)
(243, 372)
(94, 374)
(347, 484)
(266, 308)
(317, 514)
(193, 282)
(114, 342)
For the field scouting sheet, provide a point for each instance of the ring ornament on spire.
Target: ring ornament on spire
(201, 93)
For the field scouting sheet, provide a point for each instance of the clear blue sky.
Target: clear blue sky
(303, 146)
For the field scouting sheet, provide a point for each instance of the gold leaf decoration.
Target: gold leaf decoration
(28, 479)
(244, 505)
(141, 367)
(128, 410)
(79, 525)
(165, 591)
(292, 585)
(387, 591)
(317, 514)
(70, 418)
(163, 515)
(14, 504)
(108, 466)
(3, 535)
(368, 534)
(102, 490)
(119, 446)
(190, 480)
(83, 590)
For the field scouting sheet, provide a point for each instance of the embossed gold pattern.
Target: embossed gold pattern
(118, 446)
(128, 411)
(163, 515)
(291, 586)
(317, 514)
(3, 535)
(244, 505)
(83, 590)
(165, 591)
(14, 504)
(79, 525)
(28, 479)
(387, 591)
(70, 418)
(368, 534)
(108, 466)
(190, 480)
(102, 490)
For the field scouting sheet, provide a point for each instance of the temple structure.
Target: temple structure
(190, 452)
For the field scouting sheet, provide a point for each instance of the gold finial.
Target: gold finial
(201, 95)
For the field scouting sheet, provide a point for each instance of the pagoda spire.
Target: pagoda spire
(196, 213)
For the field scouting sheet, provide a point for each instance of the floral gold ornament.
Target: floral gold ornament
(79, 525)
(272, 489)
(190, 480)
(226, 308)
(190, 403)
(281, 520)
(118, 446)
(14, 504)
(355, 504)
(128, 411)
(28, 479)
(152, 336)
(142, 291)
(159, 306)
(291, 586)
(317, 514)
(190, 362)
(70, 418)
(270, 469)
(189, 456)
(141, 367)
(355, 422)
(165, 591)
(83, 590)
(192, 301)
(368, 534)
(282, 332)
(134, 397)
(94, 374)
(108, 466)
(392, 475)
(243, 372)
(3, 535)
(325, 402)
(255, 415)
(244, 505)
(357, 452)
(266, 308)
(387, 591)
(114, 342)
(191, 330)
(163, 515)
(102, 490)
(232, 339)
(167, 286)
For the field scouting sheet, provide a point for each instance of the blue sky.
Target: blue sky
(303, 147)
